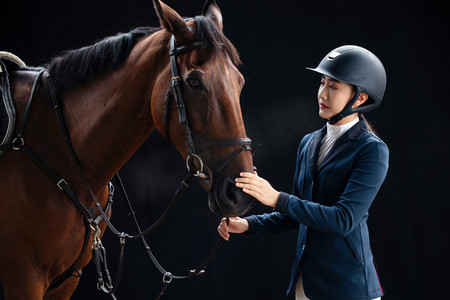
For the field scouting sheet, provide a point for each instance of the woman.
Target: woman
(340, 169)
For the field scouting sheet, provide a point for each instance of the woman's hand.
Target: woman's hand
(236, 225)
(258, 188)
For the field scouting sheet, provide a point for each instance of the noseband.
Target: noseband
(194, 147)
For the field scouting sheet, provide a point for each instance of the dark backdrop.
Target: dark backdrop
(277, 39)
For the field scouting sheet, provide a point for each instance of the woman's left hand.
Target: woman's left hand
(258, 188)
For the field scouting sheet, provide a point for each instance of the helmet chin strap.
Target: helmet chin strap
(348, 110)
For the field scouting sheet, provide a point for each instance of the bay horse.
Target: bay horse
(112, 95)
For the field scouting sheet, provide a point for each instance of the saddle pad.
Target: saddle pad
(7, 110)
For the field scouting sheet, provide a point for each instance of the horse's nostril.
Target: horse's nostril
(228, 189)
(226, 199)
(231, 195)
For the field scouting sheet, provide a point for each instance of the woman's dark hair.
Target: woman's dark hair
(361, 116)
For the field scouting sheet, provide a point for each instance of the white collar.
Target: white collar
(336, 131)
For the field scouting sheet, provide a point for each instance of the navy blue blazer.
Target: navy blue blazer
(329, 208)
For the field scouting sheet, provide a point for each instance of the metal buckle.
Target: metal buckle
(62, 181)
(96, 242)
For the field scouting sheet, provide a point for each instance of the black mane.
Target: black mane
(78, 66)
(75, 67)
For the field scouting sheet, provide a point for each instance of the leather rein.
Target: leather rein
(91, 222)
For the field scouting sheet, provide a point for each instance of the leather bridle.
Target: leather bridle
(194, 146)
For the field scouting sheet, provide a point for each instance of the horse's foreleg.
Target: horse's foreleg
(64, 291)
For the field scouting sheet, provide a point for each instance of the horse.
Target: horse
(111, 96)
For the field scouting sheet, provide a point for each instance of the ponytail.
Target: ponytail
(361, 116)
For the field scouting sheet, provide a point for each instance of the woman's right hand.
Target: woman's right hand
(236, 225)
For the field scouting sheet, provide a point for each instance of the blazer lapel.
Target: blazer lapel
(314, 148)
(341, 143)
(337, 148)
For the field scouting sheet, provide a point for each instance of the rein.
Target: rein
(91, 223)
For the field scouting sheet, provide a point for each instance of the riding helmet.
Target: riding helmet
(359, 67)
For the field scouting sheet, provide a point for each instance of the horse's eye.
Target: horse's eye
(194, 82)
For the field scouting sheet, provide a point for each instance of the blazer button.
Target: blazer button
(303, 247)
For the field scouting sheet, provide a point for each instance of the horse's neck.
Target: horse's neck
(110, 117)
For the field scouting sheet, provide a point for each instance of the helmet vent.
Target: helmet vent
(333, 55)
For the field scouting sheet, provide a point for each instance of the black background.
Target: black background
(277, 39)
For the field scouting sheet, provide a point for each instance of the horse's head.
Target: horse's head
(200, 111)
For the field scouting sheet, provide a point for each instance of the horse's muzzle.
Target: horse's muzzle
(226, 200)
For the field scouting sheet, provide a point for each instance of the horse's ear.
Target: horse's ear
(173, 22)
(212, 12)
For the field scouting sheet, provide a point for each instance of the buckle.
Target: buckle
(59, 184)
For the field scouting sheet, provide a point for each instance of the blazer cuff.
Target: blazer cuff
(283, 199)
(251, 226)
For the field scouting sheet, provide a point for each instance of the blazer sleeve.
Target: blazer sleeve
(368, 173)
(275, 223)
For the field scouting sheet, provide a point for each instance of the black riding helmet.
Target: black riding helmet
(359, 67)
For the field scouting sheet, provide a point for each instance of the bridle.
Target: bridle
(194, 147)
(91, 223)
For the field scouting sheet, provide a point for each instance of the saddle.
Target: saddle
(7, 109)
